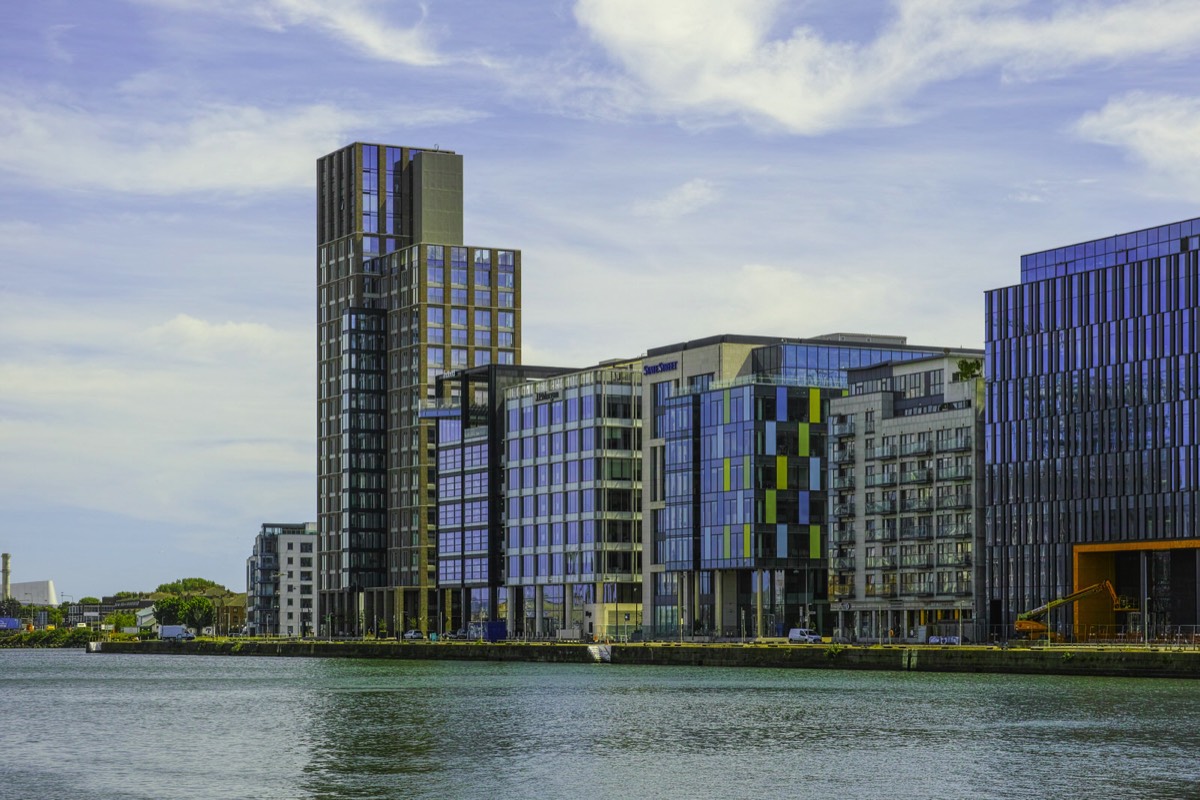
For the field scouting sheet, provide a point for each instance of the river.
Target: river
(164, 727)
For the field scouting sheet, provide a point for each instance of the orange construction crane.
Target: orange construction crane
(1031, 622)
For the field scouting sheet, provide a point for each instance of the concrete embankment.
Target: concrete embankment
(1059, 660)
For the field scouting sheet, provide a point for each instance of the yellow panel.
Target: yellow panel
(726, 541)
(781, 472)
(814, 405)
(746, 472)
(770, 507)
(725, 466)
(725, 406)
(746, 540)
(814, 541)
(804, 439)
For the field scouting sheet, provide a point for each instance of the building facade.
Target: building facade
(905, 501)
(573, 482)
(734, 513)
(281, 584)
(400, 300)
(1093, 461)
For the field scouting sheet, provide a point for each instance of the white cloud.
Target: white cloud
(680, 201)
(234, 148)
(715, 58)
(362, 24)
(1162, 131)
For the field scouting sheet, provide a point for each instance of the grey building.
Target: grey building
(281, 581)
(905, 463)
(401, 299)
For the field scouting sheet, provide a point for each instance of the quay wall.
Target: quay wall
(1057, 660)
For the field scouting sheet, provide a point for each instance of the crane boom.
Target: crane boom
(1031, 621)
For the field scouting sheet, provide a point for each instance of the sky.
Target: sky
(670, 170)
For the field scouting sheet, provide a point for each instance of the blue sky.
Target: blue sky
(670, 170)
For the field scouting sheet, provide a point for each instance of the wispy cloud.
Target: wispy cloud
(234, 148)
(363, 25)
(714, 58)
(680, 201)
(1162, 131)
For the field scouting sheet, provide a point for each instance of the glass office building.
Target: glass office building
(1093, 379)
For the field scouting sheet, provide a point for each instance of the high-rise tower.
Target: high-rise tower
(400, 299)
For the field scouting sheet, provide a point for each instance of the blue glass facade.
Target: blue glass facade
(1093, 379)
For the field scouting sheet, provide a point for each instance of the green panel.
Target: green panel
(725, 406)
(781, 472)
(814, 405)
(746, 472)
(725, 468)
(746, 540)
(804, 439)
(814, 541)
(770, 520)
(726, 541)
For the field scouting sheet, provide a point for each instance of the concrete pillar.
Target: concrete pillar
(568, 605)
(510, 611)
(718, 604)
(761, 576)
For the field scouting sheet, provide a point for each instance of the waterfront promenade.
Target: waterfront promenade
(1127, 661)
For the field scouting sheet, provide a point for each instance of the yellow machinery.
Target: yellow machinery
(1031, 624)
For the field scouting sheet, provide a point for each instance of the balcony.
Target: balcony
(887, 590)
(954, 560)
(918, 589)
(881, 479)
(881, 562)
(881, 535)
(881, 507)
(961, 531)
(842, 482)
(916, 533)
(842, 429)
(958, 443)
(842, 563)
(916, 448)
(841, 589)
(845, 456)
(916, 476)
(959, 588)
(843, 509)
(962, 473)
(842, 534)
(955, 501)
(920, 561)
(917, 504)
(884, 451)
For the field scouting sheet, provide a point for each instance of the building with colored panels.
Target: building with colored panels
(734, 512)
(400, 300)
(573, 483)
(905, 500)
(1093, 460)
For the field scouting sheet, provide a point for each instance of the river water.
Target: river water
(110, 726)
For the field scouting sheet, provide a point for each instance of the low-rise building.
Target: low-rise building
(281, 588)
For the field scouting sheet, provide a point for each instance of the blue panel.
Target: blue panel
(770, 438)
(814, 474)
(803, 517)
(781, 541)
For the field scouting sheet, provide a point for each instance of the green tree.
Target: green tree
(10, 607)
(121, 619)
(89, 601)
(200, 613)
(169, 610)
(189, 586)
(55, 616)
(969, 368)
(126, 596)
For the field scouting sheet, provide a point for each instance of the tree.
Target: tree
(195, 612)
(189, 586)
(200, 613)
(169, 610)
(969, 368)
(10, 607)
(121, 619)
(89, 601)
(119, 596)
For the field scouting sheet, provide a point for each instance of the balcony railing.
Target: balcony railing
(919, 588)
(842, 429)
(956, 443)
(843, 509)
(887, 590)
(841, 588)
(842, 456)
(881, 562)
(960, 588)
(881, 507)
(883, 451)
(955, 501)
(842, 482)
(881, 535)
(842, 534)
(842, 563)
(924, 561)
(962, 473)
(916, 476)
(954, 560)
(916, 533)
(916, 448)
(917, 504)
(959, 531)
(881, 479)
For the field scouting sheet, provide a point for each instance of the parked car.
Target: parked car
(459, 634)
(413, 634)
(803, 636)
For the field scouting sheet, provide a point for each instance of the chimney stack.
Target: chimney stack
(4, 593)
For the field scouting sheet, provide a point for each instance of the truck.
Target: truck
(1030, 623)
(177, 633)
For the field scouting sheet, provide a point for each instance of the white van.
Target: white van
(803, 636)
